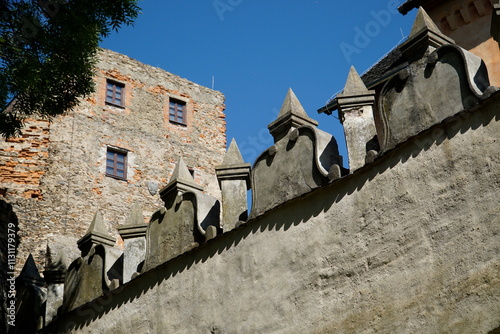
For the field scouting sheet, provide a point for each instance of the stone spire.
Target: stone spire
(356, 114)
(355, 87)
(30, 274)
(291, 116)
(181, 181)
(233, 155)
(354, 84)
(30, 297)
(424, 35)
(181, 172)
(234, 181)
(423, 21)
(291, 105)
(96, 234)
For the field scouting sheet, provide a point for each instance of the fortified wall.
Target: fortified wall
(405, 241)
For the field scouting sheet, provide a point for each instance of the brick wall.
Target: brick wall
(23, 161)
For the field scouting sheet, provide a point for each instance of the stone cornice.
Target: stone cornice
(132, 231)
(234, 172)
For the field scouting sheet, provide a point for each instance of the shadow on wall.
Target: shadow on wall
(285, 216)
(8, 245)
(495, 331)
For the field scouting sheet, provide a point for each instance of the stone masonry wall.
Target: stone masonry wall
(62, 190)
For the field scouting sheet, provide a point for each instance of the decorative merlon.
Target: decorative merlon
(234, 181)
(134, 226)
(133, 233)
(424, 34)
(299, 161)
(355, 92)
(356, 114)
(292, 115)
(180, 182)
(413, 100)
(96, 234)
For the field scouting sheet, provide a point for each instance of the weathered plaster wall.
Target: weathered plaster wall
(407, 244)
(63, 173)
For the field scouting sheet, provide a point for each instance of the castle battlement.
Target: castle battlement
(405, 241)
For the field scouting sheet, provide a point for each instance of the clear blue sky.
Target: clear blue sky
(255, 50)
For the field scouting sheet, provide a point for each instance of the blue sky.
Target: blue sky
(255, 50)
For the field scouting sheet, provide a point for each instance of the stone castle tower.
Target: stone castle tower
(115, 150)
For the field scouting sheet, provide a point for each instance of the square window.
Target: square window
(116, 163)
(177, 111)
(115, 93)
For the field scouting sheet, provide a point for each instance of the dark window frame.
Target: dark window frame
(115, 161)
(177, 115)
(115, 101)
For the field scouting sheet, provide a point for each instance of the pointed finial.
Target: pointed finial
(355, 93)
(181, 181)
(181, 172)
(233, 167)
(292, 115)
(96, 234)
(30, 273)
(424, 37)
(233, 155)
(291, 105)
(135, 216)
(423, 20)
(97, 224)
(354, 85)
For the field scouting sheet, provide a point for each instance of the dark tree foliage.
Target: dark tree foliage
(48, 52)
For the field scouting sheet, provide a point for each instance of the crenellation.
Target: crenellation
(234, 181)
(341, 240)
(356, 105)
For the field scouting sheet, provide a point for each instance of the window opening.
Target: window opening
(116, 163)
(177, 111)
(115, 93)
